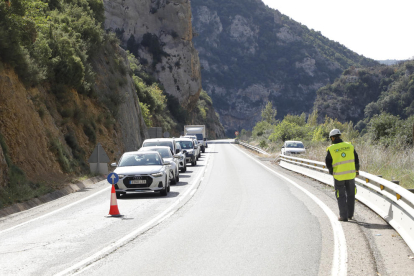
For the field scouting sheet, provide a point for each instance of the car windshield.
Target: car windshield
(295, 145)
(165, 153)
(199, 136)
(159, 143)
(140, 159)
(186, 144)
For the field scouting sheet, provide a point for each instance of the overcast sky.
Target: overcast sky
(378, 29)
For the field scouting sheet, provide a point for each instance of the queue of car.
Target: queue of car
(155, 166)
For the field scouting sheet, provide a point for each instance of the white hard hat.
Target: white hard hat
(334, 132)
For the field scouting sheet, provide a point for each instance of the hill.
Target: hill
(251, 54)
(361, 93)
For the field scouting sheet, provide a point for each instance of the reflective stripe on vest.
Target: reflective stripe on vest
(343, 161)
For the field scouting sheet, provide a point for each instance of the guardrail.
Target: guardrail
(392, 202)
(259, 150)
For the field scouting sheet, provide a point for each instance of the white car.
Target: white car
(198, 148)
(293, 147)
(188, 147)
(165, 153)
(142, 172)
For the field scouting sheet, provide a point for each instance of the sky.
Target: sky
(375, 29)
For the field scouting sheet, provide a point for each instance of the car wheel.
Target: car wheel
(164, 191)
(203, 150)
(177, 177)
(193, 163)
(173, 179)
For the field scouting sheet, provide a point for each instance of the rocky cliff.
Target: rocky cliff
(159, 33)
(50, 135)
(251, 54)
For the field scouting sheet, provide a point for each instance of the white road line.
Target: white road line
(54, 212)
(340, 257)
(92, 260)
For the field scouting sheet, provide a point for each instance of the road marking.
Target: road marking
(92, 260)
(56, 211)
(340, 257)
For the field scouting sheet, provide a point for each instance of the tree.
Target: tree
(269, 114)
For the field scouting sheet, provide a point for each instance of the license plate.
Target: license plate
(138, 182)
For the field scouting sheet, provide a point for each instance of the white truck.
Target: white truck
(200, 132)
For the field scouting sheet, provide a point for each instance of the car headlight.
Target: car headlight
(121, 176)
(157, 174)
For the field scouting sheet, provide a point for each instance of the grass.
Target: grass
(391, 163)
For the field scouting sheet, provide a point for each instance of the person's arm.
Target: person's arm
(328, 162)
(356, 161)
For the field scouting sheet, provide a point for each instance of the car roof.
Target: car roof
(141, 152)
(159, 139)
(154, 147)
(293, 142)
(183, 139)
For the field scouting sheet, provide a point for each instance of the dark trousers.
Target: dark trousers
(345, 194)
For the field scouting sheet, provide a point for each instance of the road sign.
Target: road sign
(99, 155)
(112, 178)
(236, 133)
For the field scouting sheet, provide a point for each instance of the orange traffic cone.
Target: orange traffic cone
(113, 211)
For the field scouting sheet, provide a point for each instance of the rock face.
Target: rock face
(43, 142)
(129, 115)
(251, 54)
(160, 33)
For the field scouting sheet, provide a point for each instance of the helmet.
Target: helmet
(334, 132)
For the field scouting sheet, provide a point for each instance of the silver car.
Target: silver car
(166, 155)
(188, 147)
(198, 145)
(142, 172)
(293, 147)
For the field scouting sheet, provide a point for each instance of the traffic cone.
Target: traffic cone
(113, 211)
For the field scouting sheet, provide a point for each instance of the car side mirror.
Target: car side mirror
(177, 150)
(283, 147)
(184, 151)
(196, 147)
(113, 165)
(167, 163)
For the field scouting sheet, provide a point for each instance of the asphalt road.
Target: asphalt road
(232, 214)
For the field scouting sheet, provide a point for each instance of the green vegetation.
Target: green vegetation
(385, 146)
(51, 40)
(361, 93)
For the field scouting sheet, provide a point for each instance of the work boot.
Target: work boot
(342, 219)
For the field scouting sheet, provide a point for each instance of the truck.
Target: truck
(200, 132)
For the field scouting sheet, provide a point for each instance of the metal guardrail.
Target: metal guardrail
(259, 150)
(392, 202)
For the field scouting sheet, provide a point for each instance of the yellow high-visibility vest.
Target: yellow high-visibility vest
(343, 161)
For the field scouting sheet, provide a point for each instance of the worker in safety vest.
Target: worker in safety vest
(343, 163)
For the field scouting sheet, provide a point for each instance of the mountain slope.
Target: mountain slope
(250, 54)
(361, 93)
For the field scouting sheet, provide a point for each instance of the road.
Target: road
(232, 214)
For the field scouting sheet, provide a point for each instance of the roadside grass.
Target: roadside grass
(389, 162)
(22, 192)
